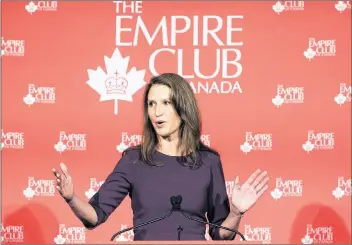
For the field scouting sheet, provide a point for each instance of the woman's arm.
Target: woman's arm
(219, 205)
(84, 211)
(233, 222)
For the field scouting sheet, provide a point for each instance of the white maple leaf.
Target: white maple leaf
(116, 83)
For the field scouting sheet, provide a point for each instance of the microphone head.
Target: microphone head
(176, 202)
(172, 199)
(179, 199)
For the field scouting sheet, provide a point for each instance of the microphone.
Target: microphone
(176, 204)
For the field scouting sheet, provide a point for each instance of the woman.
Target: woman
(171, 161)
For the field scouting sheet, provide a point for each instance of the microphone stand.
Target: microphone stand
(175, 206)
(179, 200)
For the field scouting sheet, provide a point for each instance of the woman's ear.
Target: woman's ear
(182, 120)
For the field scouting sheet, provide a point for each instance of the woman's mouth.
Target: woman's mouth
(160, 123)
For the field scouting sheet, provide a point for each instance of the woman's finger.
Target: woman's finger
(59, 189)
(251, 178)
(64, 169)
(261, 184)
(259, 179)
(59, 176)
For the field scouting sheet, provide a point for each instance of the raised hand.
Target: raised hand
(246, 195)
(64, 182)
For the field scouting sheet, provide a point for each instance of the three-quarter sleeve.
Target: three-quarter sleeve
(218, 202)
(113, 191)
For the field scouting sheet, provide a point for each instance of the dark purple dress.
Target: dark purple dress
(203, 191)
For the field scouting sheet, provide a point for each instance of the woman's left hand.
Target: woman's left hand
(246, 195)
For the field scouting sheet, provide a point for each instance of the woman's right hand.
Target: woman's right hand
(64, 183)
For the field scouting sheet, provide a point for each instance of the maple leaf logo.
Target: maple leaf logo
(116, 83)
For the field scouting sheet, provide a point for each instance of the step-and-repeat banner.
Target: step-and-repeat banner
(273, 81)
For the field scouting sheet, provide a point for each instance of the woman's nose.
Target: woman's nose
(158, 110)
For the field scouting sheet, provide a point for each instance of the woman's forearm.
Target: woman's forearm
(232, 221)
(83, 210)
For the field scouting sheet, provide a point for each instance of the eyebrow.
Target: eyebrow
(161, 99)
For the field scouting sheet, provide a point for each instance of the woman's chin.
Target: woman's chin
(162, 133)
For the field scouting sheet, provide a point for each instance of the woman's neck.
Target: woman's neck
(168, 146)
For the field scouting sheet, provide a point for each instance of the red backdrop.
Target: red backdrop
(273, 81)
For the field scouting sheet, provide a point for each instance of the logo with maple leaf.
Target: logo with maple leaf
(116, 83)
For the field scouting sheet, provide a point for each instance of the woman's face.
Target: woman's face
(161, 111)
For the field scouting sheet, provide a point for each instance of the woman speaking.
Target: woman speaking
(170, 161)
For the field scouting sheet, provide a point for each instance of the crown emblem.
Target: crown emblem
(116, 85)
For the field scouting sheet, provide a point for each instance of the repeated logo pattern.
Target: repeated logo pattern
(273, 84)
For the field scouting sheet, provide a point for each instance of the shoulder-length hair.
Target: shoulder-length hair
(185, 104)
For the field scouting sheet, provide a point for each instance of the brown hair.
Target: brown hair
(185, 104)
